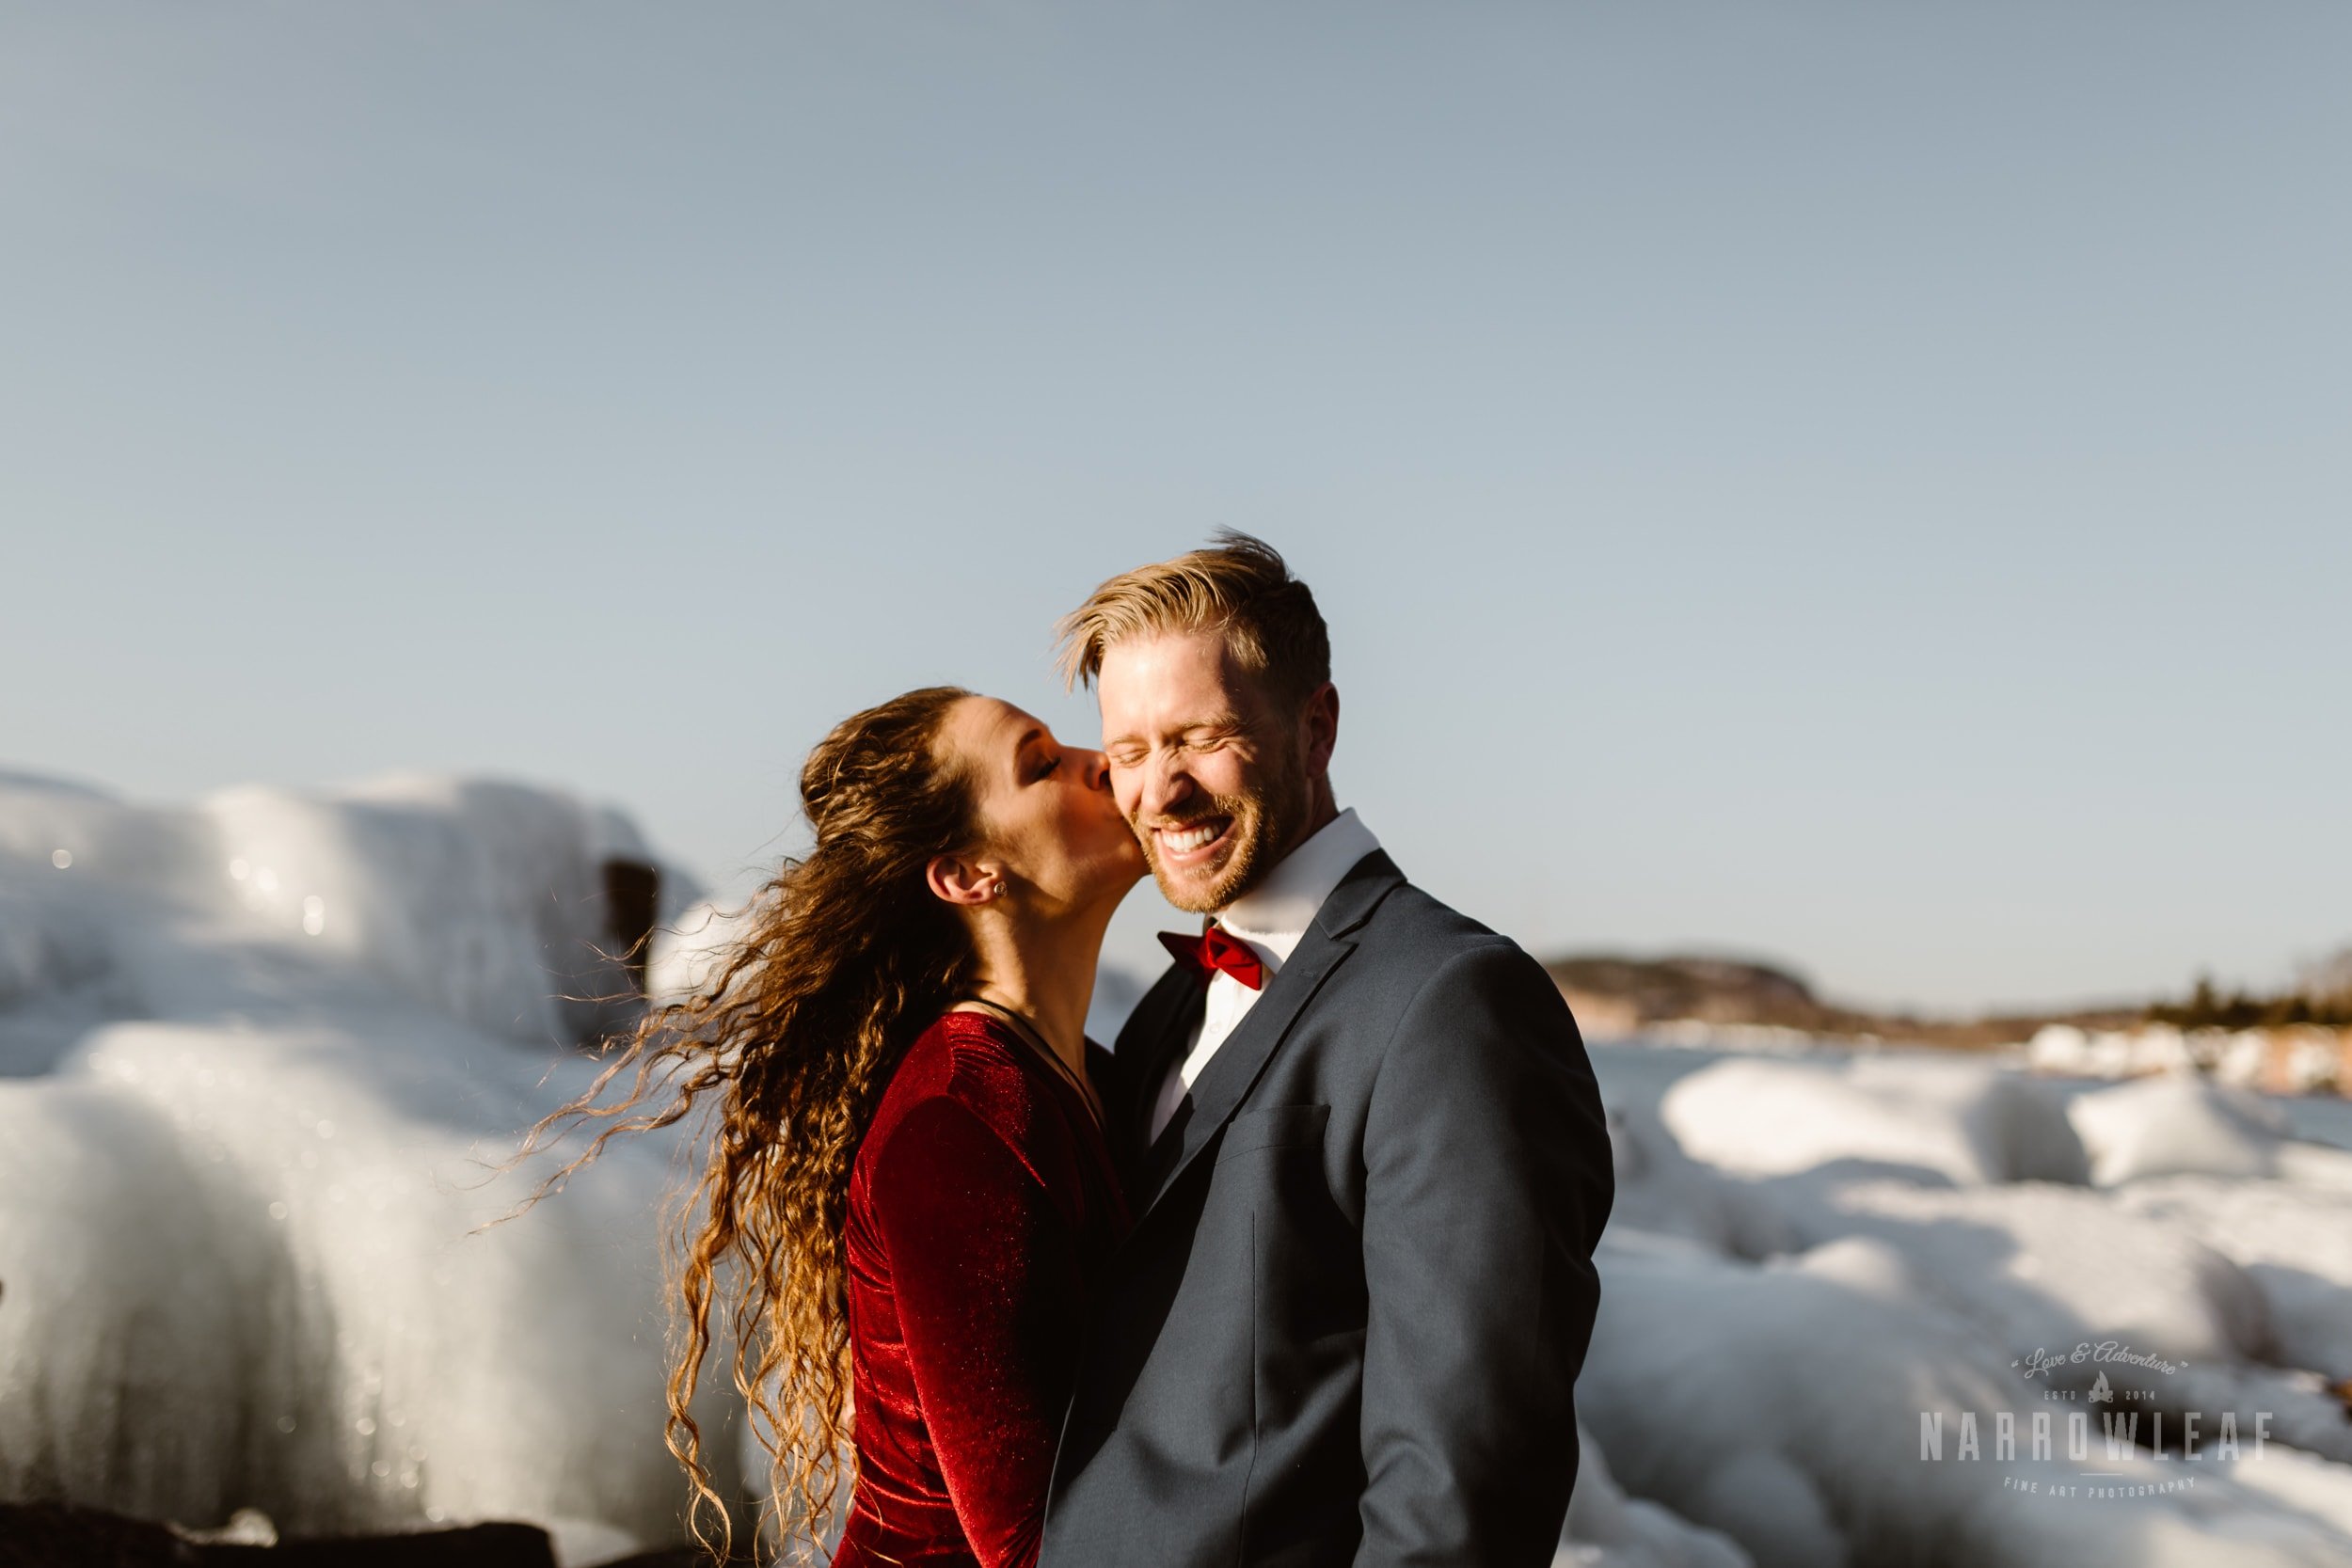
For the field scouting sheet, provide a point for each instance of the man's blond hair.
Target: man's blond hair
(1239, 585)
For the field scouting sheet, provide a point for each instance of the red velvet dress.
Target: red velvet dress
(983, 1208)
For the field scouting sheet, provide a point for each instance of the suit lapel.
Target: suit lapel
(1238, 1063)
(1147, 1043)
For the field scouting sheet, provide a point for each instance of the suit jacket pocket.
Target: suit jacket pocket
(1273, 1127)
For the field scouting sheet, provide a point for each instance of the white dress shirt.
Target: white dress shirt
(1272, 918)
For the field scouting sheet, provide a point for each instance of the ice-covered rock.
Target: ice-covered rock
(257, 1056)
(494, 903)
(266, 1053)
(1664, 1191)
(1786, 1406)
(2039, 1264)
(1608, 1530)
(1946, 1121)
(691, 951)
(2292, 1238)
(1834, 1251)
(2176, 1125)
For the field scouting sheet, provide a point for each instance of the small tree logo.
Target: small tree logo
(2101, 1393)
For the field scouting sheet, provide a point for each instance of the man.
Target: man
(1363, 1145)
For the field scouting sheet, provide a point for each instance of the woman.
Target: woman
(908, 1196)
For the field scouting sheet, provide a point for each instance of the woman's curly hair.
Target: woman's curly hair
(789, 1043)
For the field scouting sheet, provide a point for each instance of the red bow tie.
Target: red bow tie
(1213, 950)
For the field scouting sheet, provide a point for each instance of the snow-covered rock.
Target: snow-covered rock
(689, 952)
(260, 1057)
(2041, 1264)
(266, 1054)
(1783, 1405)
(2292, 1236)
(1948, 1121)
(2175, 1125)
(1813, 1251)
(1608, 1530)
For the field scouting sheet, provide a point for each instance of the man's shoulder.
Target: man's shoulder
(1415, 940)
(1414, 925)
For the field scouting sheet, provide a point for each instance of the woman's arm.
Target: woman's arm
(985, 1268)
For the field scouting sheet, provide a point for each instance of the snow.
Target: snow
(246, 1150)
(1949, 1117)
(2301, 1057)
(2292, 1238)
(1606, 1528)
(2176, 1125)
(259, 1058)
(1810, 1251)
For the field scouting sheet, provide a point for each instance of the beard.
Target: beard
(1265, 823)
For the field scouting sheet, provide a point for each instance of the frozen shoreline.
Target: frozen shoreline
(246, 1122)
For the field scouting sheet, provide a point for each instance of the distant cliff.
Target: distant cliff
(1615, 996)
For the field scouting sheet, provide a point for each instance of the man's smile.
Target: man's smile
(1191, 843)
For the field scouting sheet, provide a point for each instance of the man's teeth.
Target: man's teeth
(1189, 839)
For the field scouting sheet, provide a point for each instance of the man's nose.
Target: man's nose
(1166, 787)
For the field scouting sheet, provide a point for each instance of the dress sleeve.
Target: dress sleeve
(984, 1267)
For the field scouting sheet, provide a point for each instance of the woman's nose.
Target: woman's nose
(1097, 772)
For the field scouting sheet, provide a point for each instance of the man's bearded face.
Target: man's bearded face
(1209, 775)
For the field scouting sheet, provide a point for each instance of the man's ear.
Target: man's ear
(1322, 722)
(958, 880)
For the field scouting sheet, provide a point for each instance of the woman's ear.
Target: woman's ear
(962, 881)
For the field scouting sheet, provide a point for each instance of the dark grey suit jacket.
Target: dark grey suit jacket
(1347, 1325)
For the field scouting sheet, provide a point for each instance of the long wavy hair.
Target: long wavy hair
(846, 957)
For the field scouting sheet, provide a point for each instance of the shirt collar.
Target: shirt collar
(1276, 914)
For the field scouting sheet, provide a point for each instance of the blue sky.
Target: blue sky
(1860, 484)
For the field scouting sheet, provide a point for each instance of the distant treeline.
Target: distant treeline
(2209, 1008)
